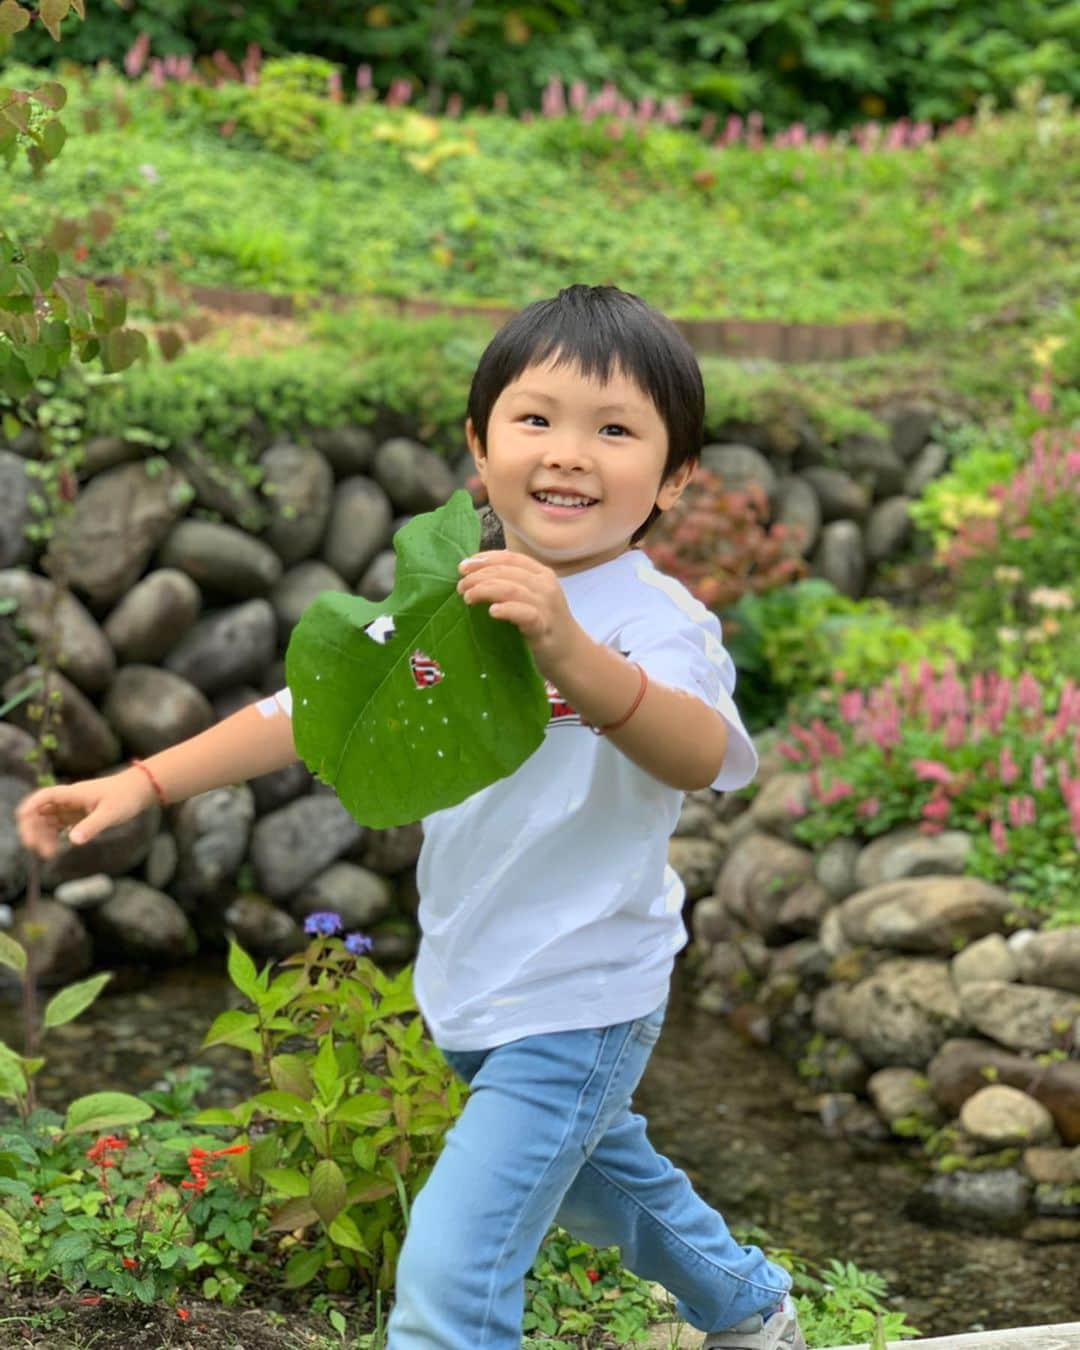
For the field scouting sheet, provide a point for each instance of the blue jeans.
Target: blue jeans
(547, 1135)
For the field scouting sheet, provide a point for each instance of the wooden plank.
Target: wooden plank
(1063, 1336)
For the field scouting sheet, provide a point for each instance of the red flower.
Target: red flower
(128, 1263)
(592, 1275)
(183, 1314)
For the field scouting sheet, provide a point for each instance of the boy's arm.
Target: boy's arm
(243, 746)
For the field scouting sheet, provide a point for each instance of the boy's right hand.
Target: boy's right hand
(87, 807)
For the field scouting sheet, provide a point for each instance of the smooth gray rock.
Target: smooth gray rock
(14, 859)
(84, 653)
(758, 876)
(798, 508)
(899, 1093)
(119, 849)
(360, 526)
(85, 743)
(162, 861)
(835, 867)
(1022, 1017)
(297, 589)
(872, 462)
(740, 465)
(393, 850)
(901, 1014)
(62, 950)
(221, 559)
(348, 449)
(361, 897)
(141, 924)
(840, 557)
(151, 709)
(1000, 1116)
(839, 496)
(928, 464)
(1052, 958)
(994, 1201)
(925, 914)
(16, 746)
(231, 646)
(153, 616)
(284, 785)
(888, 529)
(117, 522)
(212, 832)
(781, 803)
(292, 846)
(990, 958)
(696, 862)
(86, 892)
(15, 513)
(219, 486)
(378, 581)
(412, 476)
(297, 485)
(907, 852)
(909, 430)
(262, 929)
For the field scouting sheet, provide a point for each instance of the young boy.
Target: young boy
(549, 917)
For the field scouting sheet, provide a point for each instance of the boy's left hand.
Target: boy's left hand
(527, 594)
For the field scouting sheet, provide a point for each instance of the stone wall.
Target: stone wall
(919, 1002)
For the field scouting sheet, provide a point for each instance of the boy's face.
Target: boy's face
(574, 467)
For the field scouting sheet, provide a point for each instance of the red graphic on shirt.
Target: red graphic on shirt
(562, 714)
(425, 671)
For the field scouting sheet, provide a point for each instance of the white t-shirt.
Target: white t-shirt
(546, 900)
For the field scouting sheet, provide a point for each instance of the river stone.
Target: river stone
(162, 861)
(835, 866)
(292, 846)
(394, 849)
(119, 849)
(924, 914)
(839, 496)
(1022, 1017)
(153, 616)
(797, 508)
(758, 876)
(927, 465)
(222, 559)
(86, 892)
(361, 897)
(297, 589)
(804, 908)
(85, 743)
(360, 526)
(696, 819)
(907, 852)
(831, 935)
(962, 1066)
(212, 831)
(231, 646)
(873, 462)
(85, 656)
(117, 522)
(840, 558)
(781, 803)
(995, 1201)
(262, 929)
(710, 922)
(1004, 1117)
(1052, 958)
(15, 745)
(141, 924)
(411, 476)
(284, 785)
(900, 1093)
(15, 514)
(888, 529)
(106, 452)
(696, 862)
(901, 1014)
(298, 484)
(151, 709)
(14, 859)
(219, 486)
(378, 581)
(739, 466)
(909, 430)
(348, 450)
(1052, 1166)
(987, 959)
(61, 945)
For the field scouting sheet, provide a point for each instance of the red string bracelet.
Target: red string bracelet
(614, 726)
(138, 764)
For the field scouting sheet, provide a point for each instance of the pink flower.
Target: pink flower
(1038, 772)
(835, 792)
(1008, 769)
(997, 836)
(932, 771)
(937, 808)
(851, 705)
(869, 807)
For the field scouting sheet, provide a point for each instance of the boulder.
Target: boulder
(835, 867)
(117, 522)
(83, 652)
(1000, 1116)
(907, 852)
(901, 1014)
(14, 859)
(838, 494)
(781, 803)
(900, 1093)
(739, 466)
(222, 559)
(359, 896)
(378, 580)
(696, 862)
(927, 465)
(262, 929)
(962, 1066)
(298, 484)
(993, 1201)
(151, 709)
(15, 513)
(840, 557)
(152, 617)
(61, 946)
(85, 743)
(360, 527)
(1022, 1017)
(412, 476)
(988, 959)
(138, 923)
(909, 430)
(219, 486)
(348, 449)
(231, 646)
(924, 914)
(797, 508)
(888, 529)
(758, 876)
(212, 832)
(297, 589)
(293, 845)
(1052, 958)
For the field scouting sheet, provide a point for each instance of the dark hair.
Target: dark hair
(598, 328)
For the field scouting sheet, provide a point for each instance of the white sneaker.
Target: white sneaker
(780, 1331)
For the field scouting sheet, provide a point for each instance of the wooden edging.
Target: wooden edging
(1063, 1336)
(764, 338)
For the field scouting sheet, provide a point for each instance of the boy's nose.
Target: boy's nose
(568, 455)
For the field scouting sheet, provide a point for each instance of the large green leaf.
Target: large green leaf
(435, 702)
(105, 1111)
(76, 998)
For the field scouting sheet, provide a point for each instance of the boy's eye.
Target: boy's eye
(540, 418)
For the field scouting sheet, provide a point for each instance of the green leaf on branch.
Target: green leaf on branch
(13, 18)
(327, 1190)
(242, 972)
(411, 705)
(52, 137)
(50, 95)
(44, 265)
(12, 954)
(122, 348)
(11, 1247)
(302, 1267)
(105, 1111)
(345, 1233)
(52, 14)
(76, 998)
(234, 1027)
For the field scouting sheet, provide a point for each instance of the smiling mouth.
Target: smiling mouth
(573, 500)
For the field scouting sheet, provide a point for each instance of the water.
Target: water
(724, 1112)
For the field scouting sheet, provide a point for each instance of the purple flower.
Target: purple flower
(358, 944)
(324, 922)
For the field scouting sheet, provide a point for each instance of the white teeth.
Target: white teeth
(558, 499)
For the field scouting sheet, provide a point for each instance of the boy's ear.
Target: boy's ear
(673, 486)
(475, 448)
